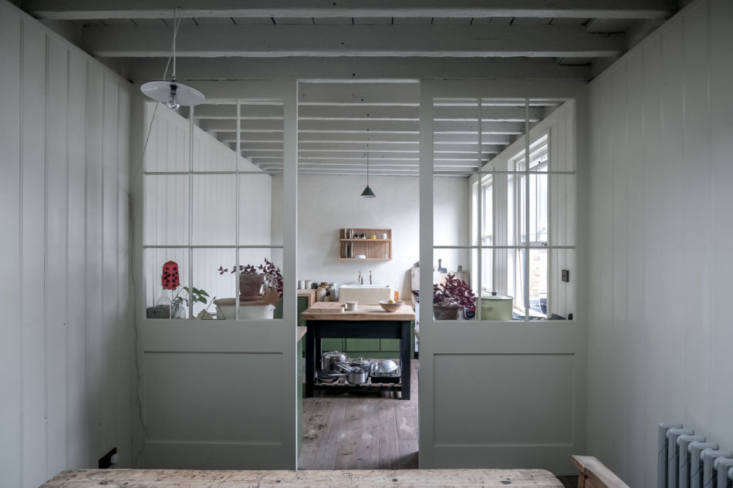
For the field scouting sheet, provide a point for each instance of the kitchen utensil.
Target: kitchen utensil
(351, 306)
(385, 366)
(330, 376)
(362, 363)
(333, 292)
(390, 307)
(342, 368)
(357, 376)
(383, 236)
(361, 256)
(330, 359)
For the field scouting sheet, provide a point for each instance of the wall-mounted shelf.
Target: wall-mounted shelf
(352, 244)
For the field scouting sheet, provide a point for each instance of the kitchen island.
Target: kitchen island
(328, 320)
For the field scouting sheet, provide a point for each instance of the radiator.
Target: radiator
(686, 460)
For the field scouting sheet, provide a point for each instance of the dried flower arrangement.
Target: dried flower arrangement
(450, 296)
(252, 278)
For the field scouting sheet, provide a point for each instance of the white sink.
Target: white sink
(366, 294)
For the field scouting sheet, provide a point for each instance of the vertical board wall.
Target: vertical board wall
(659, 222)
(66, 342)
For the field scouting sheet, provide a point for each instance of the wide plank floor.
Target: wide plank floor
(361, 432)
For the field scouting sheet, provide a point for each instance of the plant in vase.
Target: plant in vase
(452, 296)
(259, 286)
(183, 299)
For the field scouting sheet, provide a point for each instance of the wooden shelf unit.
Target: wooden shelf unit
(378, 249)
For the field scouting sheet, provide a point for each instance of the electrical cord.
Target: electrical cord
(136, 458)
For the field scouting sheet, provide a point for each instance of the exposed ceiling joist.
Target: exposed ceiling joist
(154, 9)
(440, 40)
(147, 69)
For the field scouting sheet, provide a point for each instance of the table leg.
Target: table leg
(405, 360)
(310, 363)
(318, 350)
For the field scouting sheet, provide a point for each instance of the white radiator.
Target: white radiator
(686, 460)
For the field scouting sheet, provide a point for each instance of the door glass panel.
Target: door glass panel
(214, 210)
(562, 219)
(165, 218)
(538, 210)
(453, 297)
(167, 141)
(497, 299)
(538, 283)
(165, 274)
(260, 283)
(562, 289)
(262, 135)
(214, 207)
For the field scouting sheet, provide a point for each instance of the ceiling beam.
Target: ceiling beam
(141, 70)
(439, 40)
(365, 126)
(155, 9)
(382, 113)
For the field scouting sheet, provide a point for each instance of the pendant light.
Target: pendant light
(172, 93)
(367, 193)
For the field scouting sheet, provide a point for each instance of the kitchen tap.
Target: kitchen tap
(370, 277)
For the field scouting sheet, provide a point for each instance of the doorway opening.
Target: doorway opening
(358, 246)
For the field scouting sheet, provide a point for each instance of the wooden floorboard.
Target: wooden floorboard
(378, 431)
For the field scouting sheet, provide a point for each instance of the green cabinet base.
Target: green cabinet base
(368, 348)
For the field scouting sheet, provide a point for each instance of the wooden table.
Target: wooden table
(406, 478)
(325, 319)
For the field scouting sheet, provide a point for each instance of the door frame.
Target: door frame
(483, 338)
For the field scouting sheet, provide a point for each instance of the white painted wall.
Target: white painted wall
(327, 203)
(67, 382)
(659, 211)
(166, 207)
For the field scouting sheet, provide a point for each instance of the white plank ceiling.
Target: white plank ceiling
(374, 42)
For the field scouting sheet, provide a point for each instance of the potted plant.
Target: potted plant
(260, 292)
(184, 297)
(176, 300)
(452, 296)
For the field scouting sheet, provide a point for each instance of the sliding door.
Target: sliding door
(501, 341)
(216, 279)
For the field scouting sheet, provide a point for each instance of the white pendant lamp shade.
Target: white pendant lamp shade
(173, 94)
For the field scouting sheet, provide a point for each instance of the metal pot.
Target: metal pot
(365, 364)
(329, 360)
(357, 376)
(385, 366)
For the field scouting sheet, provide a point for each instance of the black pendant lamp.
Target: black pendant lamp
(368, 192)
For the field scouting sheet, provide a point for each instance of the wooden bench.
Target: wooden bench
(407, 478)
(594, 474)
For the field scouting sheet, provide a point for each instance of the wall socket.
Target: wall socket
(565, 275)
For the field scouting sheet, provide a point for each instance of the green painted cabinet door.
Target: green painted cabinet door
(362, 345)
(302, 306)
(332, 345)
(389, 345)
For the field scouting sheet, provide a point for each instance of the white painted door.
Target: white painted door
(506, 392)
(218, 393)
